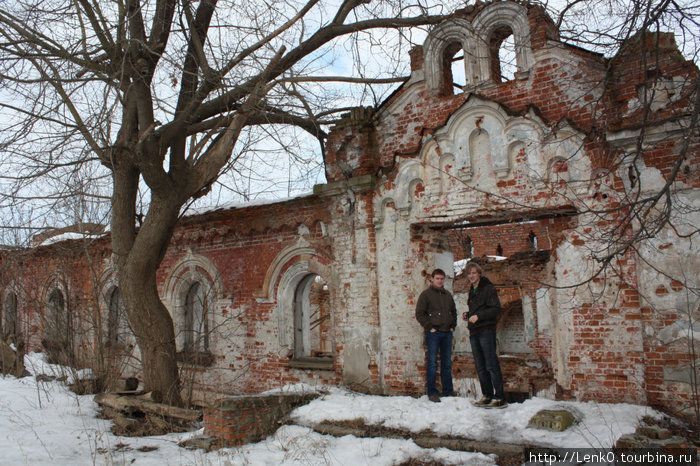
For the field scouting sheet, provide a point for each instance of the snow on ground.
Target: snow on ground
(43, 423)
(598, 426)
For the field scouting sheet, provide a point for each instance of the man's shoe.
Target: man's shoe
(434, 398)
(483, 402)
(496, 403)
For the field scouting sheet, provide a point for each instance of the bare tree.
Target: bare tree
(159, 93)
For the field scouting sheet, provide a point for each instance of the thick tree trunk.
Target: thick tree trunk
(153, 327)
(137, 256)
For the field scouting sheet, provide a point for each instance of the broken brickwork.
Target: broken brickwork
(526, 176)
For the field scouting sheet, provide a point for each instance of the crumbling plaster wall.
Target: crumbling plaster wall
(404, 261)
(354, 251)
(670, 306)
(667, 266)
(453, 180)
(440, 170)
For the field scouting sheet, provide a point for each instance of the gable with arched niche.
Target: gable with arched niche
(480, 42)
(299, 282)
(480, 145)
(193, 293)
(479, 138)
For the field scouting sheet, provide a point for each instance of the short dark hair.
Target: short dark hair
(438, 272)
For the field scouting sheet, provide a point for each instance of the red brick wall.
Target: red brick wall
(243, 243)
(33, 273)
(241, 420)
(512, 237)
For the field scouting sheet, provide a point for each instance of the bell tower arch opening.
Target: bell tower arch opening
(502, 54)
(454, 78)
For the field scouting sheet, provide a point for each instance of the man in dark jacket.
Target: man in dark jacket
(437, 314)
(482, 318)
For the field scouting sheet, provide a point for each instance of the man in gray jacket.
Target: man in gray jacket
(437, 314)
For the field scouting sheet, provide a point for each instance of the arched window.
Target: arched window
(502, 54)
(192, 293)
(57, 320)
(116, 319)
(196, 323)
(58, 328)
(312, 330)
(496, 43)
(453, 68)
(10, 319)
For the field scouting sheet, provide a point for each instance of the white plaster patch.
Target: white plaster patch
(679, 330)
(543, 300)
(445, 261)
(658, 95)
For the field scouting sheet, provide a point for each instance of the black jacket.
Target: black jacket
(436, 309)
(483, 302)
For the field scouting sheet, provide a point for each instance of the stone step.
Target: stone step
(423, 439)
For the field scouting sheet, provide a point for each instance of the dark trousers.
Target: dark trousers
(439, 342)
(487, 365)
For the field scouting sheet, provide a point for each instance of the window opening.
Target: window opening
(499, 250)
(196, 320)
(532, 241)
(468, 247)
(312, 331)
(512, 338)
(461, 242)
(58, 329)
(57, 321)
(459, 79)
(503, 55)
(10, 321)
(454, 79)
(632, 175)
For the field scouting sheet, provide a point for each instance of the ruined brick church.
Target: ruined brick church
(526, 174)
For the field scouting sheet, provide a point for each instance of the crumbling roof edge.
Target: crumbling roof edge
(502, 217)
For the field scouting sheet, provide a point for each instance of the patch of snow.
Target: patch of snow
(69, 236)
(459, 266)
(45, 423)
(192, 211)
(36, 364)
